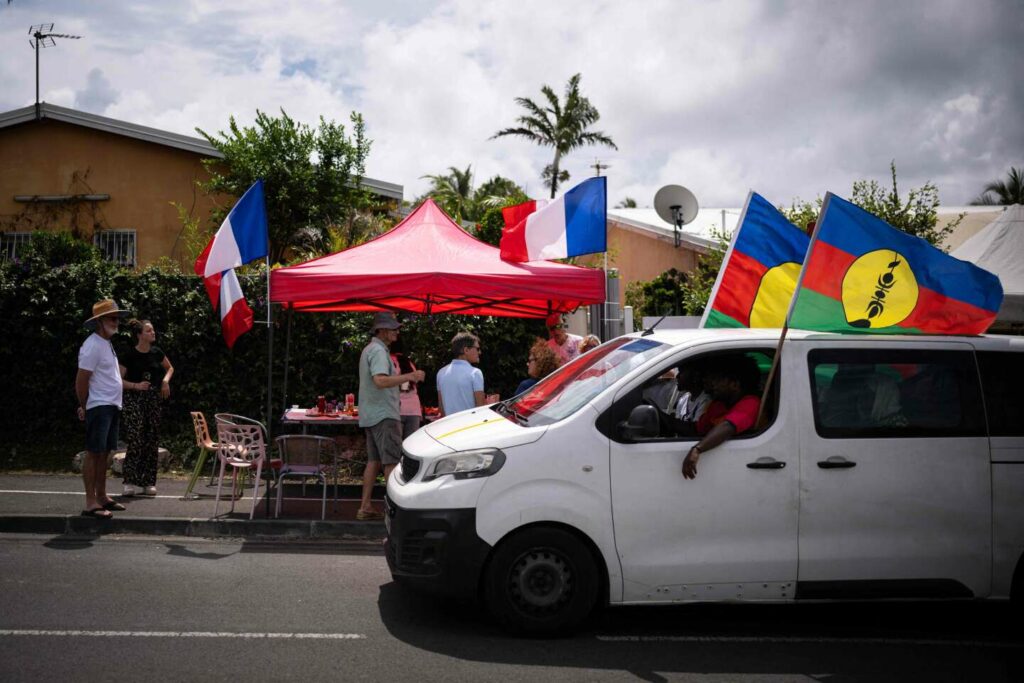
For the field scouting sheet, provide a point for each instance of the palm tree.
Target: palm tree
(561, 125)
(627, 203)
(453, 191)
(1006, 193)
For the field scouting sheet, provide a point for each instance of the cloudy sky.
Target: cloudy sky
(791, 99)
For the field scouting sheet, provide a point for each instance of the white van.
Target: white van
(883, 467)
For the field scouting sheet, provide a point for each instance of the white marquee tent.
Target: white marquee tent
(999, 248)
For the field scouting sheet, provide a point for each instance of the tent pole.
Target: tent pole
(287, 355)
(270, 380)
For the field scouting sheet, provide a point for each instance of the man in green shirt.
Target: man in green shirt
(378, 406)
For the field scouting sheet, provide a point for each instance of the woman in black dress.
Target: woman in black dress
(146, 373)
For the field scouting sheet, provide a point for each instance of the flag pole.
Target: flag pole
(789, 312)
(270, 351)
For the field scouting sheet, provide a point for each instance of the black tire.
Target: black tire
(541, 581)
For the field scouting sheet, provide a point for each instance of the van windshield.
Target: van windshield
(575, 384)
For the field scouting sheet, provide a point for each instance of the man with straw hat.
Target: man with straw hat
(98, 387)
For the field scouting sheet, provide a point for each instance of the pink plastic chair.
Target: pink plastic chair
(240, 447)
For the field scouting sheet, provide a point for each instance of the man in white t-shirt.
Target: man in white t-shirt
(460, 386)
(98, 386)
(566, 346)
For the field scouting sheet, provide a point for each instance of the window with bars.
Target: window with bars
(117, 246)
(11, 242)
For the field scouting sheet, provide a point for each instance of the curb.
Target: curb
(75, 525)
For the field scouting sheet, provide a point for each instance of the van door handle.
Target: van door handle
(766, 463)
(836, 462)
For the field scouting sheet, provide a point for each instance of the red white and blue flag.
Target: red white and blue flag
(242, 238)
(572, 225)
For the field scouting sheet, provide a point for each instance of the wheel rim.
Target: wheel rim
(541, 582)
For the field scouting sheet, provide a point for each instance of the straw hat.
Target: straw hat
(104, 308)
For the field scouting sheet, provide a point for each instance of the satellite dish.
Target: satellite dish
(676, 205)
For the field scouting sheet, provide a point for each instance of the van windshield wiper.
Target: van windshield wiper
(507, 410)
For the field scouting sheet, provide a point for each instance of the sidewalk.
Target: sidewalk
(51, 504)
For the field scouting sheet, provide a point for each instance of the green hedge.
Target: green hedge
(47, 294)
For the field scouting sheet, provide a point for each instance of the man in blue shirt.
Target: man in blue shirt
(460, 386)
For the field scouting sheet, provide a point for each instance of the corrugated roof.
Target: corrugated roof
(161, 137)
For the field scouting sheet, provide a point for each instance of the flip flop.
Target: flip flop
(114, 506)
(368, 515)
(98, 513)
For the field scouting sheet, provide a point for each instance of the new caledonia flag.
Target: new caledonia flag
(242, 238)
(863, 275)
(759, 271)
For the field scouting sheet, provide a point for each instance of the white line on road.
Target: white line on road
(803, 639)
(182, 634)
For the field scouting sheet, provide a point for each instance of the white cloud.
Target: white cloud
(722, 97)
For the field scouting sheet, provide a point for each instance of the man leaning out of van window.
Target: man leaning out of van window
(732, 383)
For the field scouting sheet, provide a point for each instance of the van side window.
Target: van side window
(1002, 376)
(666, 388)
(894, 393)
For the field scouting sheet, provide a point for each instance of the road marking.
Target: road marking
(806, 639)
(183, 634)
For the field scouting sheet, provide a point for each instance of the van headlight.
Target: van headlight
(466, 464)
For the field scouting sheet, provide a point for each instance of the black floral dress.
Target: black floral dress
(141, 418)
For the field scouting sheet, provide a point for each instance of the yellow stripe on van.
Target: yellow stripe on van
(478, 424)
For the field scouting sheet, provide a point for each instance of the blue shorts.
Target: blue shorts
(101, 423)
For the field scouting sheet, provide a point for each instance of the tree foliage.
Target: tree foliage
(1004, 192)
(311, 176)
(563, 125)
(453, 191)
(916, 215)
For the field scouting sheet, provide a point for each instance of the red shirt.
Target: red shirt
(741, 415)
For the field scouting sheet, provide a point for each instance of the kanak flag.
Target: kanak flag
(242, 238)
(759, 271)
(572, 225)
(863, 275)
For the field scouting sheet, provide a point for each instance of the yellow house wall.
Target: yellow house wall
(142, 178)
(641, 256)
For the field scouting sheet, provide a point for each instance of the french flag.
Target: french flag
(242, 238)
(572, 225)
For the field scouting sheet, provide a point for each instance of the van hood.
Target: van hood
(481, 428)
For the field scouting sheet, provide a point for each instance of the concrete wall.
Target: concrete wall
(55, 158)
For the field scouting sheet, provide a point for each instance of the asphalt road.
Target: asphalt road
(120, 608)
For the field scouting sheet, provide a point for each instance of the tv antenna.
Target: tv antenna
(676, 205)
(43, 36)
(598, 167)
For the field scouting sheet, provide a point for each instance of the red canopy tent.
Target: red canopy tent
(428, 264)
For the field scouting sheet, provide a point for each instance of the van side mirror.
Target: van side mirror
(642, 424)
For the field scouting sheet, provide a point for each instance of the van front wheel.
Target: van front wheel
(541, 581)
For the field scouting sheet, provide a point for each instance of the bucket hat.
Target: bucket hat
(384, 320)
(104, 308)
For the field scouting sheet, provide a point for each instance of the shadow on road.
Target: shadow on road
(72, 541)
(833, 642)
